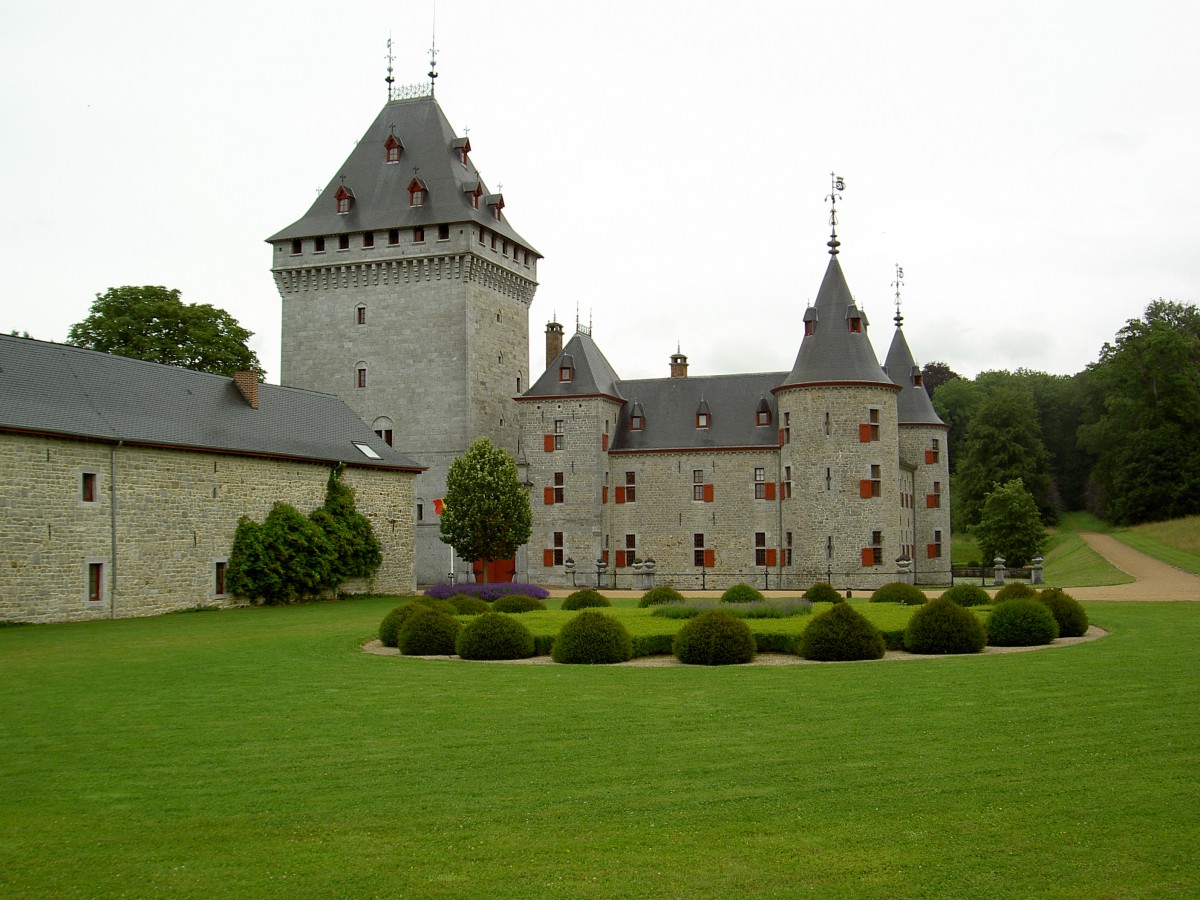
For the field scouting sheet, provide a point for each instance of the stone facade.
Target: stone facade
(175, 512)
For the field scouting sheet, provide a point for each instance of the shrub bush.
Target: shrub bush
(389, 628)
(943, 626)
(775, 643)
(543, 644)
(894, 639)
(714, 638)
(582, 599)
(899, 592)
(1014, 589)
(1021, 623)
(741, 593)
(968, 595)
(516, 603)
(653, 644)
(664, 593)
(428, 632)
(444, 606)
(823, 592)
(592, 637)
(1071, 618)
(494, 635)
(466, 605)
(840, 634)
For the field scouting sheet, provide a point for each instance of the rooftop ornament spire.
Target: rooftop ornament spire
(897, 284)
(433, 54)
(390, 59)
(835, 193)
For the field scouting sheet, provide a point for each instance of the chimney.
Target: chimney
(247, 385)
(678, 365)
(554, 336)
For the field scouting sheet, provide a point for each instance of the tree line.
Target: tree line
(1120, 439)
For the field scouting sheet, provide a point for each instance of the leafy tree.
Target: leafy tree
(287, 558)
(935, 374)
(354, 549)
(1146, 438)
(1010, 526)
(486, 513)
(1003, 443)
(152, 323)
(955, 402)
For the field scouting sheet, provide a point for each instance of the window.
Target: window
(360, 315)
(443, 232)
(418, 235)
(810, 326)
(297, 246)
(934, 500)
(785, 433)
(697, 484)
(475, 195)
(566, 373)
(393, 236)
(361, 377)
(343, 242)
(763, 489)
(386, 434)
(636, 423)
(496, 211)
(787, 548)
(416, 196)
(702, 420)
(869, 430)
(828, 425)
(504, 248)
(873, 486)
(829, 547)
(219, 578)
(553, 556)
(828, 478)
(391, 150)
(934, 550)
(855, 323)
(554, 494)
(627, 556)
(493, 234)
(343, 205)
(785, 489)
(700, 556)
(420, 511)
(630, 487)
(95, 582)
(559, 435)
(481, 236)
(366, 450)
(318, 245)
(763, 555)
(87, 487)
(873, 554)
(368, 239)
(931, 455)
(762, 417)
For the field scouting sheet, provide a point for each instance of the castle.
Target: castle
(406, 292)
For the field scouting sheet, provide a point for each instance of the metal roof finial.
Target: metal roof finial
(433, 54)
(897, 284)
(839, 185)
(390, 59)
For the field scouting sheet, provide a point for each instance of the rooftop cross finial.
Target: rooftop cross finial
(838, 185)
(897, 284)
(390, 59)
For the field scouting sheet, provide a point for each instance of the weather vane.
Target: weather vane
(838, 185)
(897, 284)
(433, 54)
(390, 59)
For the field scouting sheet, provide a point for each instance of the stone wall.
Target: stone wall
(174, 519)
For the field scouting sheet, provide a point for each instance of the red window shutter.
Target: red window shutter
(864, 489)
(930, 457)
(708, 493)
(933, 551)
(932, 501)
(604, 441)
(770, 490)
(868, 556)
(710, 556)
(780, 437)
(548, 558)
(864, 433)
(547, 442)
(548, 496)
(604, 494)
(604, 556)
(622, 560)
(620, 494)
(771, 557)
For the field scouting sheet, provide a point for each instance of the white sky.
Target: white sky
(1031, 165)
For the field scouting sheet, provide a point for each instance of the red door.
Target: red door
(498, 570)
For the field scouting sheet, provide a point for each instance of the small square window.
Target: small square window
(319, 245)
(343, 242)
(368, 239)
(360, 315)
(635, 423)
(219, 578)
(393, 235)
(88, 487)
(418, 235)
(566, 373)
(297, 246)
(95, 582)
(362, 378)
(703, 420)
(443, 232)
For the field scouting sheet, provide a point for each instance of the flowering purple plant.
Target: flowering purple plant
(487, 592)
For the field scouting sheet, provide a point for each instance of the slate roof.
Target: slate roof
(913, 406)
(593, 374)
(66, 391)
(833, 353)
(380, 189)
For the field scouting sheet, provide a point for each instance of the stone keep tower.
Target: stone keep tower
(406, 293)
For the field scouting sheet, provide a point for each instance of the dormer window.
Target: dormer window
(810, 321)
(703, 420)
(762, 416)
(855, 325)
(636, 422)
(496, 202)
(809, 327)
(417, 192)
(461, 147)
(918, 379)
(473, 192)
(392, 148)
(344, 198)
(566, 373)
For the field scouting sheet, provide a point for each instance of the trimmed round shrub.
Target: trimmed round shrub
(840, 634)
(516, 603)
(444, 606)
(1070, 616)
(823, 592)
(942, 626)
(429, 632)
(389, 628)
(741, 593)
(1013, 590)
(494, 635)
(899, 592)
(714, 638)
(1021, 623)
(592, 637)
(664, 593)
(466, 605)
(968, 595)
(584, 598)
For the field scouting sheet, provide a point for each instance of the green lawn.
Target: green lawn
(1069, 561)
(260, 753)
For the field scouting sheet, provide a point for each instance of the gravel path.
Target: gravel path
(1155, 580)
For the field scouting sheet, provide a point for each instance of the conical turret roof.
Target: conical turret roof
(837, 349)
(590, 372)
(913, 406)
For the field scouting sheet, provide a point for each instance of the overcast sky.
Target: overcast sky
(1031, 165)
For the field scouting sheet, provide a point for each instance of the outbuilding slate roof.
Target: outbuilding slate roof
(69, 392)
(430, 152)
(913, 406)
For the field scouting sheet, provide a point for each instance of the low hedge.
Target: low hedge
(664, 593)
(1021, 623)
(584, 598)
(516, 603)
(494, 635)
(714, 638)
(590, 638)
(429, 632)
(943, 626)
(1071, 618)
(899, 592)
(741, 593)
(823, 592)
(968, 595)
(893, 639)
(488, 591)
(840, 634)
(652, 645)
(775, 643)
